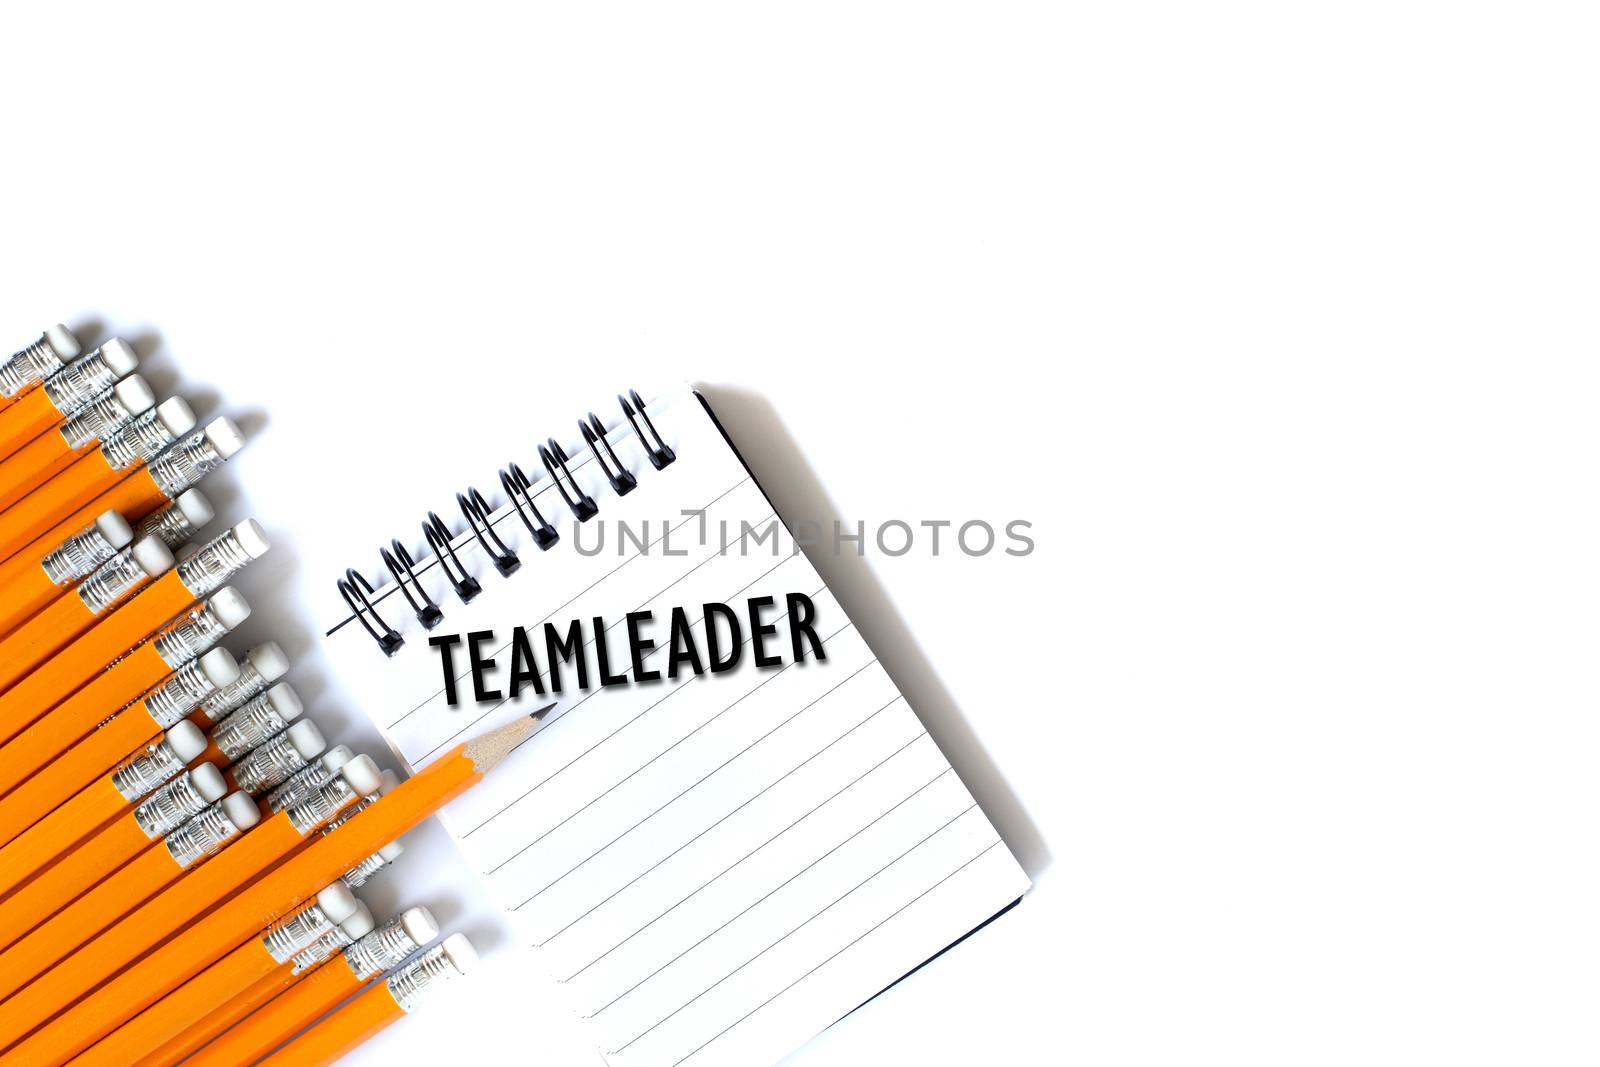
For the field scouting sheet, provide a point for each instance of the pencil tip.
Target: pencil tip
(540, 713)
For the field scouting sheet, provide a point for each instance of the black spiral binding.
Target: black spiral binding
(356, 590)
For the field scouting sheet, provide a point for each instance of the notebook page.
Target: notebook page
(715, 867)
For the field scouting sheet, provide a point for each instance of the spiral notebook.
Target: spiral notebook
(718, 865)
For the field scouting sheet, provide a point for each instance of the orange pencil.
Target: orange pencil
(32, 365)
(131, 447)
(38, 843)
(261, 717)
(64, 618)
(166, 652)
(321, 991)
(44, 767)
(108, 849)
(272, 762)
(26, 588)
(64, 394)
(378, 1008)
(258, 958)
(177, 522)
(36, 461)
(176, 903)
(151, 487)
(242, 1005)
(30, 965)
(207, 939)
(199, 575)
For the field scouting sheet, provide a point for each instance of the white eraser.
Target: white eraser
(176, 415)
(387, 781)
(391, 852)
(337, 902)
(335, 758)
(195, 507)
(134, 393)
(186, 740)
(219, 667)
(154, 556)
(229, 606)
(114, 528)
(306, 739)
(268, 660)
(362, 774)
(420, 925)
(225, 436)
(241, 810)
(60, 338)
(252, 538)
(285, 701)
(459, 951)
(208, 782)
(360, 924)
(118, 356)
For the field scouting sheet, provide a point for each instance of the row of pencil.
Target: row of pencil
(178, 845)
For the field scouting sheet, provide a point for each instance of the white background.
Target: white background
(1277, 321)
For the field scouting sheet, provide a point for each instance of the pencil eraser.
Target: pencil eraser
(134, 393)
(225, 436)
(268, 660)
(459, 951)
(208, 782)
(118, 356)
(306, 739)
(195, 507)
(335, 758)
(360, 924)
(186, 740)
(387, 781)
(337, 902)
(154, 556)
(176, 415)
(219, 666)
(419, 924)
(229, 606)
(252, 538)
(114, 528)
(241, 810)
(285, 701)
(362, 774)
(391, 852)
(66, 346)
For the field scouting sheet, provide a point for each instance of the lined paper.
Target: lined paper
(714, 867)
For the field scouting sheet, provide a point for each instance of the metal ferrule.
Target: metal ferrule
(33, 364)
(139, 774)
(296, 932)
(212, 564)
(77, 556)
(298, 786)
(79, 382)
(202, 836)
(142, 440)
(246, 728)
(383, 948)
(116, 578)
(169, 807)
(319, 950)
(228, 698)
(407, 985)
(170, 524)
(185, 463)
(180, 694)
(321, 806)
(358, 876)
(101, 417)
(269, 764)
(361, 804)
(187, 636)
